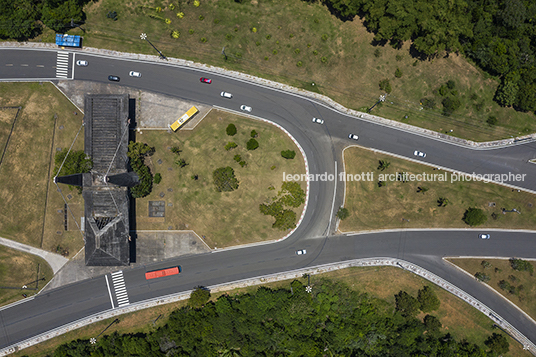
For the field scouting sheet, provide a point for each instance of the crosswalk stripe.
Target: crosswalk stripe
(120, 288)
(62, 64)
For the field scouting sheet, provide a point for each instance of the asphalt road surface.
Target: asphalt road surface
(322, 145)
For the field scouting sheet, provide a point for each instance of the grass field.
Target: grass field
(392, 206)
(298, 43)
(45, 123)
(457, 317)
(500, 269)
(7, 119)
(223, 218)
(18, 269)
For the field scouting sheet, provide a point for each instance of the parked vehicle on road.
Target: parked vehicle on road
(184, 118)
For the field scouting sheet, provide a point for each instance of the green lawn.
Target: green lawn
(7, 119)
(223, 218)
(400, 205)
(45, 123)
(18, 269)
(298, 43)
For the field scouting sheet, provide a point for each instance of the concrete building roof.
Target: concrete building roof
(106, 204)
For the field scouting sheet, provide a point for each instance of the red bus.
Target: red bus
(163, 272)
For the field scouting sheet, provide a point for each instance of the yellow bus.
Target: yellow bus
(186, 116)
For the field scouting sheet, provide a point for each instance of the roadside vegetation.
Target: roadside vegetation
(388, 294)
(394, 201)
(464, 81)
(513, 278)
(215, 188)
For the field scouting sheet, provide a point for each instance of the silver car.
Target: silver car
(245, 108)
(419, 153)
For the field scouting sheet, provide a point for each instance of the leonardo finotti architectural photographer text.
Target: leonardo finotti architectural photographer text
(407, 177)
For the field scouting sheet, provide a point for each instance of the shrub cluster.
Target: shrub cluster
(291, 195)
(137, 153)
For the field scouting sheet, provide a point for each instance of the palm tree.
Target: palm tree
(422, 189)
(442, 201)
(383, 165)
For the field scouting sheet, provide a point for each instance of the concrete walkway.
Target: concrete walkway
(55, 261)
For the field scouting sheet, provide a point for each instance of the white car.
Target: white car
(226, 95)
(82, 63)
(301, 252)
(134, 74)
(483, 236)
(353, 137)
(419, 153)
(318, 121)
(245, 108)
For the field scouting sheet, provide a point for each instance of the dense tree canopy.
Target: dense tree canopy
(19, 19)
(137, 153)
(225, 179)
(497, 34)
(333, 320)
(474, 216)
(75, 163)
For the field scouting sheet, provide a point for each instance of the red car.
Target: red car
(205, 80)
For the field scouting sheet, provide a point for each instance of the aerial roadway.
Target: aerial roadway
(323, 146)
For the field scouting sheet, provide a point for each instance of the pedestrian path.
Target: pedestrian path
(62, 64)
(55, 261)
(120, 289)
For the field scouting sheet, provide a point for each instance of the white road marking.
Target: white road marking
(333, 203)
(62, 64)
(109, 291)
(120, 288)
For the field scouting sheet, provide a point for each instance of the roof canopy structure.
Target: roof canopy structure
(106, 203)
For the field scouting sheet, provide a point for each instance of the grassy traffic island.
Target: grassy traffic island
(388, 198)
(214, 179)
(512, 278)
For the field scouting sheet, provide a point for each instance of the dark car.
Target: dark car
(205, 80)
(113, 78)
